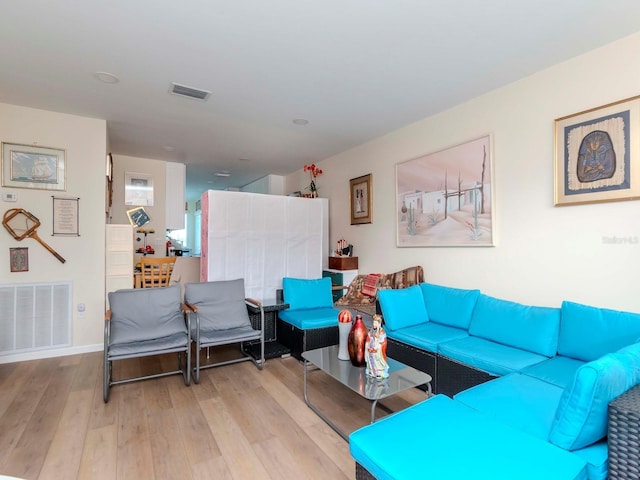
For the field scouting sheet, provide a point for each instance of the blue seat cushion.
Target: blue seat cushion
(520, 401)
(488, 356)
(442, 438)
(449, 306)
(303, 293)
(309, 318)
(587, 333)
(581, 417)
(427, 335)
(557, 370)
(596, 456)
(402, 307)
(521, 326)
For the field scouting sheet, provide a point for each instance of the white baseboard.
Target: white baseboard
(58, 352)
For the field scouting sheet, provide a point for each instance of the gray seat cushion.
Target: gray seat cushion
(223, 337)
(221, 304)
(173, 343)
(141, 314)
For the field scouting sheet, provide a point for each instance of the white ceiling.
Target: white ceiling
(355, 69)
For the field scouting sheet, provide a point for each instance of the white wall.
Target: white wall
(544, 254)
(84, 140)
(157, 170)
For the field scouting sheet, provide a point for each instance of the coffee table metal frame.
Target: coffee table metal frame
(401, 377)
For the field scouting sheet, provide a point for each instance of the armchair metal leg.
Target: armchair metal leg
(106, 379)
(196, 371)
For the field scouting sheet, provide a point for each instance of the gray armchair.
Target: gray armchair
(143, 322)
(222, 318)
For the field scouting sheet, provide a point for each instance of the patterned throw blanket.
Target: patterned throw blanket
(363, 291)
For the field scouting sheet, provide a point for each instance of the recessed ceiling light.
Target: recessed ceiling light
(244, 160)
(168, 148)
(106, 77)
(300, 121)
(223, 174)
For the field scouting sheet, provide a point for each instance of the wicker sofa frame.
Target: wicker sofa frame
(623, 439)
(449, 376)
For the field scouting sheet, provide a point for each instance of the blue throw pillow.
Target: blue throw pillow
(581, 417)
(449, 306)
(526, 327)
(403, 307)
(301, 293)
(587, 333)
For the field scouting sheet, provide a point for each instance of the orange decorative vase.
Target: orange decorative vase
(356, 342)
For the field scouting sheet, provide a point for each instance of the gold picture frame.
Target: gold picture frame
(29, 166)
(360, 193)
(597, 154)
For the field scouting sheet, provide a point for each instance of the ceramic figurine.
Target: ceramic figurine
(376, 350)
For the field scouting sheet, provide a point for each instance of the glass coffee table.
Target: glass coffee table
(401, 377)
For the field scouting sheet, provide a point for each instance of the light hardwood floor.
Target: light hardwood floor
(238, 423)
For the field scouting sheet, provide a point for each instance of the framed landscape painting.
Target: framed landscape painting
(445, 199)
(596, 154)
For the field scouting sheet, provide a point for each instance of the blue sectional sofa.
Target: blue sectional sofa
(521, 391)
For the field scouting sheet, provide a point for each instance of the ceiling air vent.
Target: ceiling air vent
(190, 92)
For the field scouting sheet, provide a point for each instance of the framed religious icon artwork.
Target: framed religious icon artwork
(597, 154)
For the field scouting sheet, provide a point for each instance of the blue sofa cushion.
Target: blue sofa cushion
(302, 293)
(403, 307)
(581, 417)
(310, 318)
(520, 401)
(587, 333)
(442, 438)
(534, 329)
(449, 306)
(427, 335)
(557, 370)
(488, 356)
(596, 456)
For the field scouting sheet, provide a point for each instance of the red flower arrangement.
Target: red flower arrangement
(313, 173)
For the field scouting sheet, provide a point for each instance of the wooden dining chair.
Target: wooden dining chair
(156, 272)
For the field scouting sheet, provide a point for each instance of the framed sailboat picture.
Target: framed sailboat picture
(29, 166)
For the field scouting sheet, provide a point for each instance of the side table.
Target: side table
(269, 308)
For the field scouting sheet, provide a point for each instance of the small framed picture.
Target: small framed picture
(19, 259)
(138, 217)
(138, 189)
(360, 193)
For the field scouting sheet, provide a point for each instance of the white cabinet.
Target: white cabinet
(118, 258)
(175, 187)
